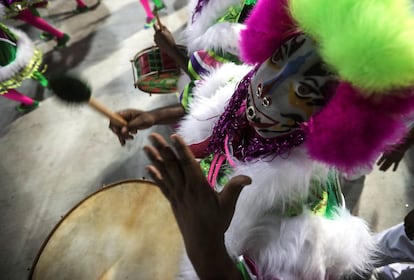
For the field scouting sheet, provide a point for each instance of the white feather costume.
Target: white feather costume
(304, 246)
(204, 32)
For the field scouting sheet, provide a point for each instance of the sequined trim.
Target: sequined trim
(30, 71)
(220, 169)
(236, 13)
(323, 199)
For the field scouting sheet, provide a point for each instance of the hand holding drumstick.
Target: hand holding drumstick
(165, 41)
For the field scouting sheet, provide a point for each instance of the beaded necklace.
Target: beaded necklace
(244, 143)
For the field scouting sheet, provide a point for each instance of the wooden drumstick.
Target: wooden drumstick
(157, 17)
(98, 106)
(76, 91)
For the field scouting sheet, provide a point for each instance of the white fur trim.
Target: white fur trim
(222, 36)
(303, 247)
(24, 54)
(201, 34)
(278, 179)
(210, 99)
(307, 246)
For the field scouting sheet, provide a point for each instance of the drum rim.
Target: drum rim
(154, 47)
(158, 73)
(105, 187)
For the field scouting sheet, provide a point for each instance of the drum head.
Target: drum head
(124, 231)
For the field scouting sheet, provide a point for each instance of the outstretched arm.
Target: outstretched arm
(202, 215)
(138, 120)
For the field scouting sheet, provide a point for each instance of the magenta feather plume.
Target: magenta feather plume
(352, 131)
(267, 26)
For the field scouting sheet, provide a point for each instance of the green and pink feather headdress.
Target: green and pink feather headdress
(369, 45)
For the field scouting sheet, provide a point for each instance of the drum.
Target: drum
(155, 71)
(124, 231)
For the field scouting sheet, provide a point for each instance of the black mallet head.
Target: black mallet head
(70, 88)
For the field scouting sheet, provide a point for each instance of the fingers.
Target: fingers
(381, 160)
(158, 179)
(396, 166)
(231, 192)
(384, 162)
(117, 131)
(124, 133)
(157, 171)
(184, 154)
(229, 196)
(385, 165)
(195, 182)
(167, 170)
(171, 166)
(158, 162)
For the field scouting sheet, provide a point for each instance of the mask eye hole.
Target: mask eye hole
(266, 101)
(303, 90)
(251, 113)
(259, 90)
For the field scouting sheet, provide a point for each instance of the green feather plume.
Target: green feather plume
(369, 43)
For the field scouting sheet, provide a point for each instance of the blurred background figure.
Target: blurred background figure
(19, 60)
(81, 7)
(26, 12)
(150, 19)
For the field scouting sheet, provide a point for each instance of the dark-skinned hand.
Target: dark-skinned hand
(137, 120)
(163, 38)
(392, 157)
(202, 214)
(409, 225)
(165, 41)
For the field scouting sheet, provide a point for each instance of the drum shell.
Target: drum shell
(124, 231)
(155, 71)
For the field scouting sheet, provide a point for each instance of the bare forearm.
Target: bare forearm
(214, 263)
(169, 114)
(179, 57)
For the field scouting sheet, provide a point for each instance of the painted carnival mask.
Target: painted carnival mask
(288, 88)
